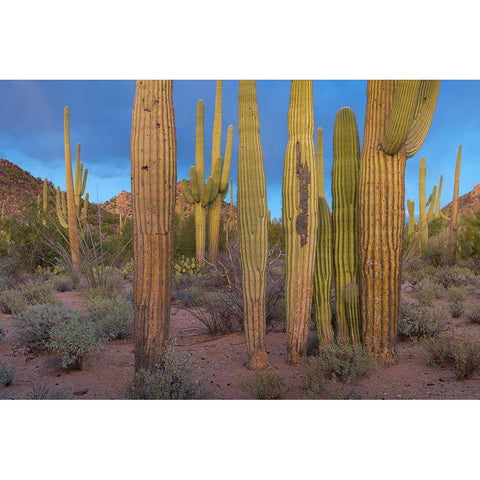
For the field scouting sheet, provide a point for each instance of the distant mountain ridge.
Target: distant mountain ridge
(468, 203)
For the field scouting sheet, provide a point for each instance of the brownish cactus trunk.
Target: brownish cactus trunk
(153, 156)
(382, 216)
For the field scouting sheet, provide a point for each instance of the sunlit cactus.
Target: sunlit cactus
(153, 198)
(300, 221)
(397, 119)
(452, 231)
(252, 224)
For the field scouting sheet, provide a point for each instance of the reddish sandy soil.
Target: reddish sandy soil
(221, 364)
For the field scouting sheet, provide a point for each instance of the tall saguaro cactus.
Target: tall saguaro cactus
(412, 222)
(72, 219)
(346, 164)
(153, 158)
(323, 263)
(300, 204)
(252, 223)
(397, 120)
(219, 188)
(452, 232)
(422, 205)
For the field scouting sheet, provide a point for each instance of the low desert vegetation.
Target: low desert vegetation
(7, 373)
(265, 385)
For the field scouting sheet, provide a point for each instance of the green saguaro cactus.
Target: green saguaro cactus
(323, 262)
(452, 231)
(412, 222)
(431, 204)
(220, 185)
(438, 209)
(422, 222)
(42, 203)
(397, 120)
(252, 223)
(154, 178)
(346, 164)
(300, 221)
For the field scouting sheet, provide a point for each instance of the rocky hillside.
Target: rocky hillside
(17, 186)
(468, 203)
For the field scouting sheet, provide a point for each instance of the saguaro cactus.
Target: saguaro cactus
(215, 206)
(72, 219)
(300, 204)
(252, 223)
(438, 209)
(452, 231)
(346, 164)
(42, 203)
(412, 222)
(397, 120)
(153, 158)
(323, 262)
(422, 221)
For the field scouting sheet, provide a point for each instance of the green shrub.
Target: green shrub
(343, 362)
(320, 388)
(458, 353)
(265, 385)
(62, 283)
(416, 321)
(32, 326)
(75, 340)
(455, 276)
(103, 282)
(42, 391)
(112, 317)
(7, 373)
(173, 380)
(427, 290)
(32, 292)
(473, 314)
(456, 298)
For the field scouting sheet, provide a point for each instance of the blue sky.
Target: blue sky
(31, 129)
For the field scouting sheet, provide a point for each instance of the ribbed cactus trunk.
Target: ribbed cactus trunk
(323, 262)
(382, 213)
(214, 208)
(300, 204)
(71, 209)
(397, 119)
(412, 222)
(252, 224)
(346, 163)
(153, 157)
(200, 210)
(452, 232)
(422, 221)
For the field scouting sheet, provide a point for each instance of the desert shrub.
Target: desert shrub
(103, 282)
(42, 391)
(416, 321)
(276, 235)
(436, 249)
(32, 326)
(472, 314)
(437, 226)
(184, 236)
(455, 276)
(112, 317)
(127, 269)
(343, 362)
(458, 353)
(62, 283)
(3, 334)
(265, 385)
(184, 265)
(75, 340)
(468, 236)
(7, 373)
(32, 292)
(174, 379)
(427, 290)
(312, 345)
(320, 388)
(456, 299)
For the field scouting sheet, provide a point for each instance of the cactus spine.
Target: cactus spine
(452, 232)
(323, 263)
(252, 223)
(299, 208)
(153, 159)
(397, 119)
(346, 163)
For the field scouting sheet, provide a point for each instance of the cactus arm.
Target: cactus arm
(216, 175)
(208, 195)
(61, 208)
(431, 204)
(217, 124)
(400, 120)
(187, 192)
(425, 108)
(195, 184)
(227, 160)
(200, 146)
